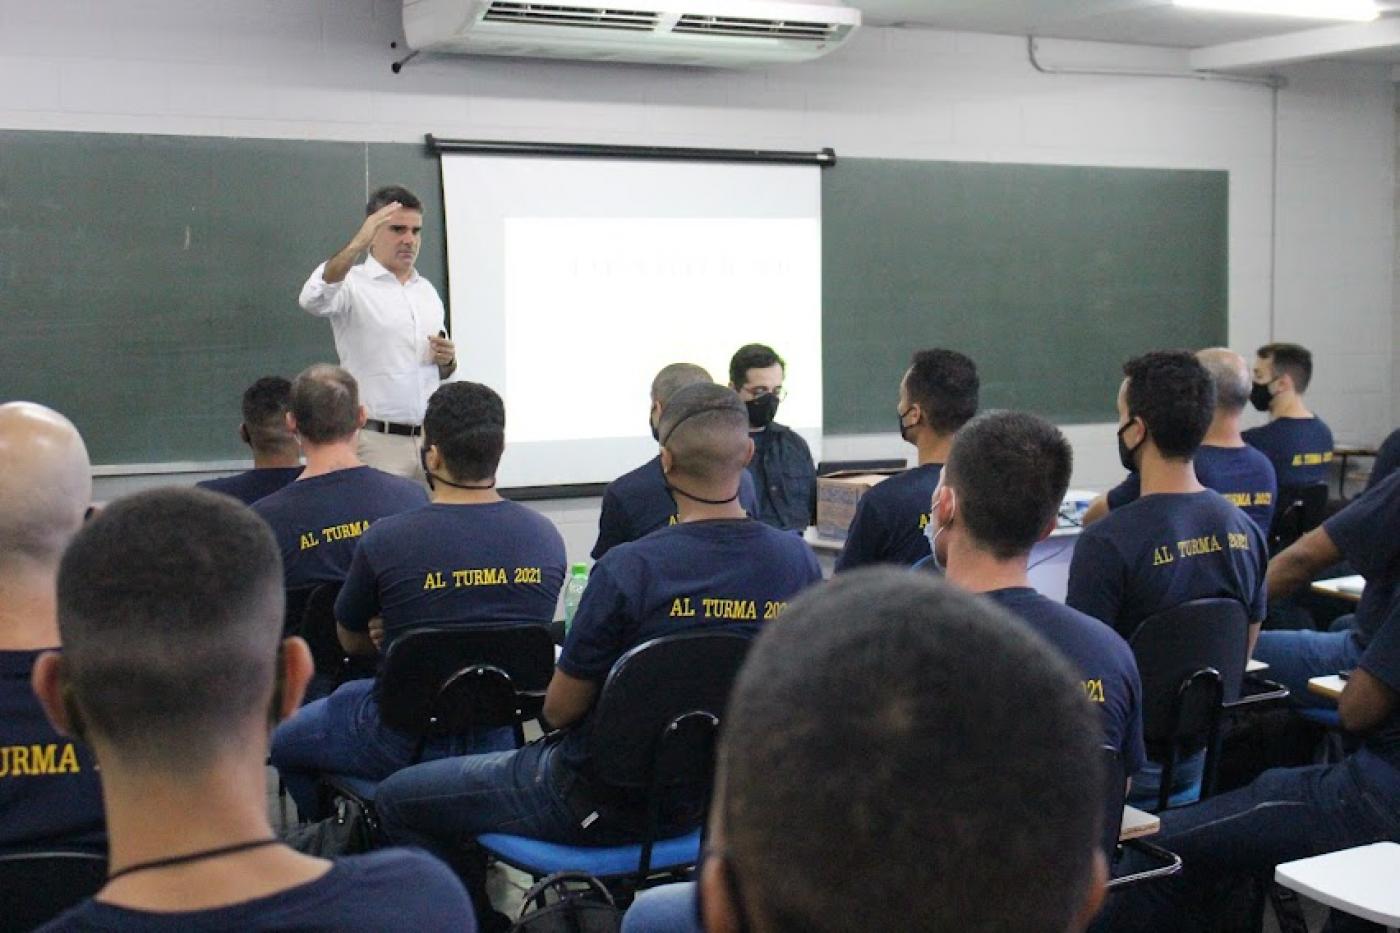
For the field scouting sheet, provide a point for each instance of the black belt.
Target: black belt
(389, 427)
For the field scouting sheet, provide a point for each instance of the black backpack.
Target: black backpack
(568, 902)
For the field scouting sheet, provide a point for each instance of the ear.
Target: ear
(47, 681)
(1094, 897)
(291, 422)
(944, 504)
(1049, 527)
(295, 672)
(433, 457)
(748, 457)
(667, 462)
(361, 417)
(720, 915)
(243, 435)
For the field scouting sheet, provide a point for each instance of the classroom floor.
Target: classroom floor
(508, 886)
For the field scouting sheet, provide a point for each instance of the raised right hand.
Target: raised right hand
(374, 223)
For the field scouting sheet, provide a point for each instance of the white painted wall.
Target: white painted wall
(320, 69)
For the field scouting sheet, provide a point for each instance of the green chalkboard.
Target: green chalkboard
(1049, 277)
(146, 280)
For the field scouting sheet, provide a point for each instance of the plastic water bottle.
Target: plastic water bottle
(573, 592)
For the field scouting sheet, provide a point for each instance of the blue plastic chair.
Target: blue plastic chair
(653, 731)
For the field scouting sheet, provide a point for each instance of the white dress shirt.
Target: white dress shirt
(381, 331)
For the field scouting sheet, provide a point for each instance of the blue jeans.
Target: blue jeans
(1187, 772)
(669, 908)
(342, 734)
(1296, 656)
(443, 805)
(1226, 841)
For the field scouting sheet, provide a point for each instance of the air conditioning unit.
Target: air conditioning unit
(722, 33)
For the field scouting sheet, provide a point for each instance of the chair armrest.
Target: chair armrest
(1257, 690)
(1166, 865)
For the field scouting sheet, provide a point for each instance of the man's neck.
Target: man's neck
(979, 572)
(444, 494)
(933, 448)
(276, 459)
(328, 458)
(1224, 431)
(148, 818)
(689, 510)
(28, 610)
(1160, 475)
(1290, 406)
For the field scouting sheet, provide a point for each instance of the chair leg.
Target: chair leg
(1287, 910)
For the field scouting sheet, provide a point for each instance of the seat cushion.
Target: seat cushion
(543, 858)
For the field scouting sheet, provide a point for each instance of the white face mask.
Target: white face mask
(931, 532)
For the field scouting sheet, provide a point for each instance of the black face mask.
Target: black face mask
(1260, 396)
(903, 430)
(762, 410)
(655, 431)
(1125, 453)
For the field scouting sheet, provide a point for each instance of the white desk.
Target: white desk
(1330, 686)
(1253, 666)
(1138, 823)
(1360, 881)
(1348, 588)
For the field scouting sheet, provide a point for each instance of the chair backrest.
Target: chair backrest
(297, 598)
(317, 626)
(448, 679)
(37, 886)
(1114, 793)
(1173, 647)
(1299, 510)
(654, 723)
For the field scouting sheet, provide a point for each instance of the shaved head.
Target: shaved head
(675, 377)
(705, 428)
(45, 487)
(1231, 374)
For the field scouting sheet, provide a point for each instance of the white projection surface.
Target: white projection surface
(572, 281)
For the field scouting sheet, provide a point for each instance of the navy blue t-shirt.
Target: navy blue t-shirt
(1163, 550)
(1102, 658)
(1367, 532)
(495, 562)
(1299, 448)
(890, 518)
(1387, 460)
(1382, 661)
(319, 520)
(250, 486)
(637, 503)
(731, 575)
(392, 889)
(1241, 474)
(50, 791)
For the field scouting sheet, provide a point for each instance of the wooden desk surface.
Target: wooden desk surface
(1330, 686)
(1348, 588)
(1353, 450)
(1359, 881)
(1138, 823)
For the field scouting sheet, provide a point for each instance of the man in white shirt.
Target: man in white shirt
(390, 327)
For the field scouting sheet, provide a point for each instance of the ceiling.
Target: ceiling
(1137, 22)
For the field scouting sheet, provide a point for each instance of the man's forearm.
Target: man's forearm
(339, 265)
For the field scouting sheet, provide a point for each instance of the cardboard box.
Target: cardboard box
(837, 496)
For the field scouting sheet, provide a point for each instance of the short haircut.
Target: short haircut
(170, 612)
(675, 377)
(388, 195)
(901, 755)
(265, 405)
(944, 384)
(326, 403)
(706, 429)
(1290, 359)
(1010, 471)
(1174, 396)
(1231, 376)
(752, 356)
(467, 423)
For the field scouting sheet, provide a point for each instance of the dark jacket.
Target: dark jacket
(786, 480)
